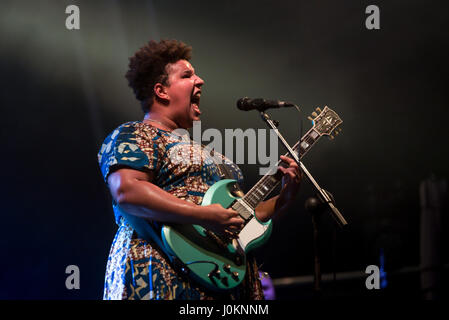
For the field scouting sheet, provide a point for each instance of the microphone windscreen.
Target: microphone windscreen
(242, 103)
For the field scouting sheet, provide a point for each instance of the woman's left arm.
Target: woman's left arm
(291, 181)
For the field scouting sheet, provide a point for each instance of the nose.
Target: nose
(199, 82)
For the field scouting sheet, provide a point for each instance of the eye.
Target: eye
(187, 75)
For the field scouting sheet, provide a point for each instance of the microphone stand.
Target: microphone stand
(315, 205)
(323, 194)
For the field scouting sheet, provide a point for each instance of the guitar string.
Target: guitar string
(295, 147)
(251, 192)
(251, 195)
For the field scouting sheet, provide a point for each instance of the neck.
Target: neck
(161, 121)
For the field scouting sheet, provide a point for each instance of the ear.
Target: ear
(160, 92)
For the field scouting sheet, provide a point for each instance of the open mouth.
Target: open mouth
(195, 102)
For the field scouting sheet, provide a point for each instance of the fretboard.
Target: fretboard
(270, 180)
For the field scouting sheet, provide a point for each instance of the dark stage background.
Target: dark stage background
(62, 92)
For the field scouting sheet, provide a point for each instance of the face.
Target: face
(184, 92)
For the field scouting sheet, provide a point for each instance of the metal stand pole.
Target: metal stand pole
(323, 195)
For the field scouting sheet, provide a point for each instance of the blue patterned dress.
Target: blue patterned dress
(135, 268)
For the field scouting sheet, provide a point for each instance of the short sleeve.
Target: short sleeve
(128, 146)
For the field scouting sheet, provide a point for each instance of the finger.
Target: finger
(232, 228)
(292, 175)
(282, 169)
(232, 235)
(294, 168)
(236, 222)
(235, 225)
(233, 213)
(288, 171)
(287, 160)
(292, 163)
(295, 175)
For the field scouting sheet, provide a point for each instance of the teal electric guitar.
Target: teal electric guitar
(218, 262)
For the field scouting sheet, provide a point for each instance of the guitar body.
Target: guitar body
(218, 267)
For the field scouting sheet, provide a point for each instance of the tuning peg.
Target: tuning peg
(337, 132)
(310, 118)
(318, 109)
(314, 114)
(331, 137)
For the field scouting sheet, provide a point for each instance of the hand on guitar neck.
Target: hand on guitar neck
(291, 181)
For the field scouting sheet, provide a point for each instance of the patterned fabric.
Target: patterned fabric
(135, 268)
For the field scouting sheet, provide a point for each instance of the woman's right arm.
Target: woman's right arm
(134, 191)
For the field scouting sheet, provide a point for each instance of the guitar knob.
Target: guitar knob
(212, 279)
(227, 268)
(235, 275)
(215, 273)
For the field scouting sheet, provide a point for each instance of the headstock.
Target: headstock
(326, 122)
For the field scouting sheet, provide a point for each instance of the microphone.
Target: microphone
(246, 104)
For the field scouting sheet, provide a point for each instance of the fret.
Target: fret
(309, 140)
(270, 181)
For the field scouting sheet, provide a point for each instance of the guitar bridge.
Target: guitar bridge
(223, 244)
(218, 240)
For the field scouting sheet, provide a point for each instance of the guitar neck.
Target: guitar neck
(270, 180)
